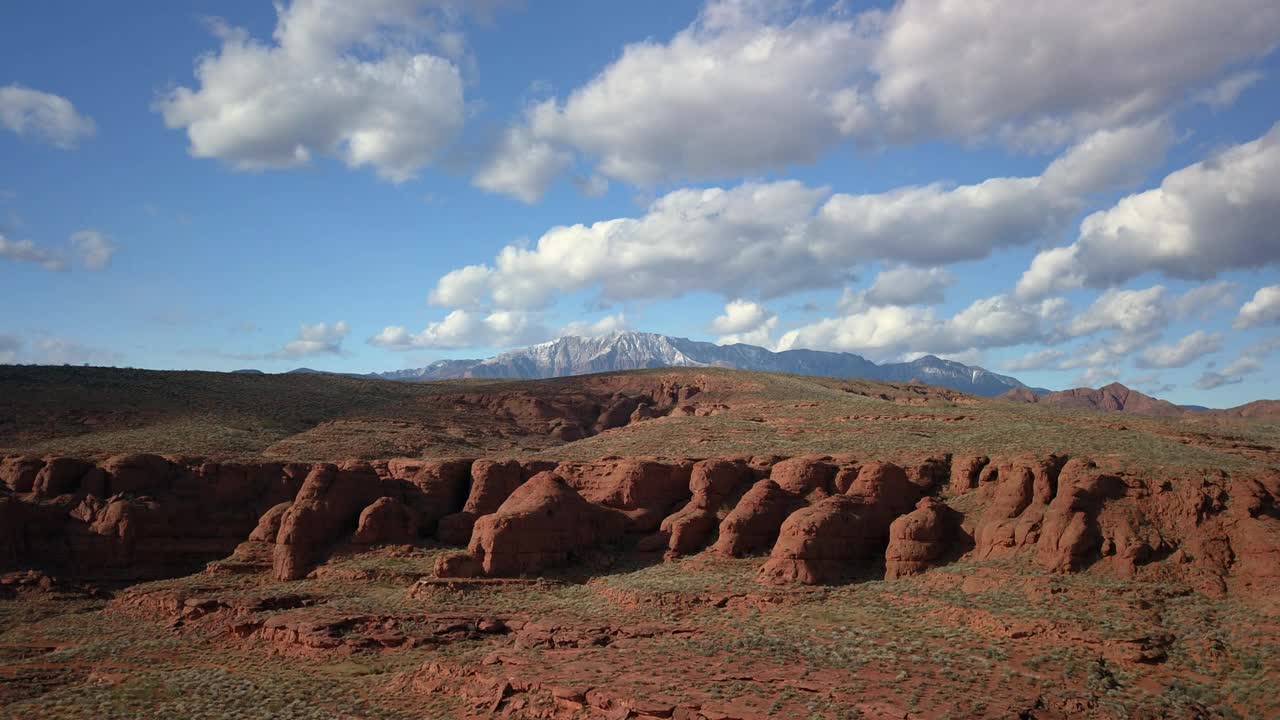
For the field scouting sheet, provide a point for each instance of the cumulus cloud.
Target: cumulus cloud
(524, 166)
(777, 237)
(1215, 215)
(909, 286)
(997, 321)
(744, 321)
(464, 328)
(753, 86)
(317, 339)
(1036, 360)
(1182, 353)
(345, 79)
(1133, 312)
(606, 325)
(1250, 361)
(44, 116)
(1263, 309)
(1203, 300)
(1096, 377)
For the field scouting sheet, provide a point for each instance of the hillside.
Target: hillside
(575, 355)
(1109, 398)
(686, 412)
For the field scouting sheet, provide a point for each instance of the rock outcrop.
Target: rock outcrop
(818, 543)
(331, 499)
(712, 484)
(923, 537)
(540, 525)
(753, 524)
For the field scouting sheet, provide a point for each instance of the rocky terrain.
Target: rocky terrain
(615, 553)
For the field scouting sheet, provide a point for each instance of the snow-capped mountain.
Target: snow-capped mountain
(573, 355)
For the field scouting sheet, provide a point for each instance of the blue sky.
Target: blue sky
(1073, 195)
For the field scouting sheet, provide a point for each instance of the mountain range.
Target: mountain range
(574, 355)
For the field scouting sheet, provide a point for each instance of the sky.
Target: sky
(1071, 193)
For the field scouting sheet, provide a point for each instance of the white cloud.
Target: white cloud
(909, 286)
(1097, 377)
(1035, 360)
(317, 339)
(1263, 309)
(1209, 217)
(93, 248)
(1203, 300)
(744, 321)
(757, 86)
(1040, 71)
(1182, 353)
(27, 251)
(342, 79)
(523, 167)
(604, 326)
(1133, 312)
(44, 116)
(1225, 93)
(1250, 361)
(891, 330)
(463, 329)
(778, 237)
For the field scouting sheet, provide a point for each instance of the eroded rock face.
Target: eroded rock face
(819, 543)
(432, 488)
(388, 521)
(18, 472)
(921, 538)
(330, 500)
(644, 490)
(805, 477)
(712, 484)
(540, 525)
(753, 524)
(61, 476)
(1071, 535)
(492, 482)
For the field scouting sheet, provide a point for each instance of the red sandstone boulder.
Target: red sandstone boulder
(18, 472)
(1018, 493)
(645, 490)
(1071, 536)
(804, 477)
(137, 474)
(753, 524)
(884, 491)
(492, 482)
(540, 525)
(818, 544)
(329, 502)
(269, 524)
(435, 488)
(919, 539)
(965, 471)
(713, 483)
(61, 476)
(387, 521)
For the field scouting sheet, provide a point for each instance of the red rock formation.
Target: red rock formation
(540, 525)
(884, 491)
(805, 477)
(18, 472)
(268, 526)
(492, 482)
(712, 484)
(138, 474)
(432, 488)
(920, 538)
(645, 490)
(1018, 492)
(386, 521)
(61, 476)
(965, 471)
(329, 502)
(753, 524)
(818, 544)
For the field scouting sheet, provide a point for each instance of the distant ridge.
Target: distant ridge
(574, 355)
(1110, 398)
